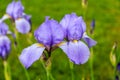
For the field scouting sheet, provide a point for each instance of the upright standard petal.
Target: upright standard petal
(43, 34)
(18, 10)
(73, 26)
(75, 32)
(57, 32)
(77, 52)
(10, 8)
(3, 28)
(90, 42)
(67, 21)
(5, 46)
(49, 33)
(22, 25)
(31, 54)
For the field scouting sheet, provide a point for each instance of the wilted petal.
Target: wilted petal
(10, 8)
(22, 25)
(30, 54)
(77, 52)
(3, 28)
(5, 46)
(90, 42)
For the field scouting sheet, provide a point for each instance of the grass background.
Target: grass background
(105, 12)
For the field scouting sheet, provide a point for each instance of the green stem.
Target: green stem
(48, 70)
(6, 70)
(91, 65)
(71, 68)
(26, 73)
(18, 50)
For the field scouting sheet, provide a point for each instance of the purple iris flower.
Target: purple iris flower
(5, 43)
(15, 11)
(74, 30)
(48, 35)
(5, 46)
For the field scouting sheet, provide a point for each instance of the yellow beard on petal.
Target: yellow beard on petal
(75, 41)
(40, 45)
(61, 43)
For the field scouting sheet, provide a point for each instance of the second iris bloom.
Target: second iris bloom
(51, 34)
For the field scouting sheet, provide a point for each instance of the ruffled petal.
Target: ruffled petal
(22, 25)
(73, 26)
(77, 52)
(57, 32)
(90, 42)
(30, 54)
(43, 34)
(75, 32)
(67, 21)
(49, 33)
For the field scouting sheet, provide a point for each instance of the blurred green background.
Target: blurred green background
(107, 16)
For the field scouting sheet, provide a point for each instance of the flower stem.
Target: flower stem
(6, 70)
(71, 68)
(48, 69)
(91, 65)
(26, 73)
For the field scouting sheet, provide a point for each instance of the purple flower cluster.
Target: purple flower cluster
(15, 11)
(68, 35)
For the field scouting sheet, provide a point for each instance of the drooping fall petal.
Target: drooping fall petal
(90, 42)
(22, 25)
(31, 54)
(77, 52)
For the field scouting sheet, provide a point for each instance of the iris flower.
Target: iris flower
(74, 32)
(15, 11)
(5, 43)
(48, 35)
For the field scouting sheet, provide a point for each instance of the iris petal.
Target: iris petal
(75, 32)
(10, 9)
(57, 32)
(43, 34)
(73, 26)
(49, 33)
(90, 42)
(31, 54)
(5, 46)
(18, 10)
(77, 52)
(28, 18)
(22, 25)
(3, 28)
(67, 21)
